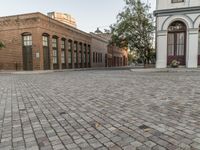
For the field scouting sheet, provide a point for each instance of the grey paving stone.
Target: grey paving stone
(100, 110)
(150, 144)
(157, 147)
(197, 140)
(195, 145)
(184, 146)
(129, 147)
(136, 144)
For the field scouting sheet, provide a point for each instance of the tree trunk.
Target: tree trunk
(148, 56)
(144, 61)
(145, 56)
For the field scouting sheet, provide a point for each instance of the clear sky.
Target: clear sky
(89, 14)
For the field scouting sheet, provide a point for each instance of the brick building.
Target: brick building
(115, 56)
(99, 50)
(37, 42)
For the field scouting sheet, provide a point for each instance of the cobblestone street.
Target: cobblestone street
(100, 110)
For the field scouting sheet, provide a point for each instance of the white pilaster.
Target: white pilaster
(192, 49)
(161, 61)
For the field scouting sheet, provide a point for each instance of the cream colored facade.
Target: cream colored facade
(64, 18)
(186, 12)
(167, 4)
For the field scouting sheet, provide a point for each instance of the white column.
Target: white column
(161, 47)
(192, 48)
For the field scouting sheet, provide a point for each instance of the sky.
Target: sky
(89, 14)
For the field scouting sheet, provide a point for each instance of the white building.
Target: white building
(177, 33)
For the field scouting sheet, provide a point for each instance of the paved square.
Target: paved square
(100, 110)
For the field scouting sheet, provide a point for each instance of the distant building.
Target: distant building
(99, 50)
(113, 56)
(177, 32)
(63, 17)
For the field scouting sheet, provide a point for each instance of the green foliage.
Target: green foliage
(130, 57)
(134, 29)
(1, 45)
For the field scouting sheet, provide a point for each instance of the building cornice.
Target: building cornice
(165, 12)
(39, 15)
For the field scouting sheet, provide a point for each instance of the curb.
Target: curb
(166, 70)
(64, 70)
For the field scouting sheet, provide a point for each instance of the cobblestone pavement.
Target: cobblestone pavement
(100, 110)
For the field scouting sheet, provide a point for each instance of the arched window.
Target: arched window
(45, 40)
(177, 26)
(27, 39)
(176, 42)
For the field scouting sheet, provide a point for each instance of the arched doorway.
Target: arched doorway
(176, 45)
(27, 51)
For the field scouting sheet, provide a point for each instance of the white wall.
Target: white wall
(192, 22)
(167, 4)
(192, 48)
(161, 57)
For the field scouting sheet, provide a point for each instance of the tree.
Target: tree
(134, 29)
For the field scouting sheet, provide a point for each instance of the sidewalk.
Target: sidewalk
(63, 70)
(26, 72)
(166, 70)
(131, 68)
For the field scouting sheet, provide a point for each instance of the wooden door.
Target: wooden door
(46, 58)
(27, 58)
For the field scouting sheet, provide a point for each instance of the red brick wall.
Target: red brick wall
(12, 27)
(119, 56)
(99, 47)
